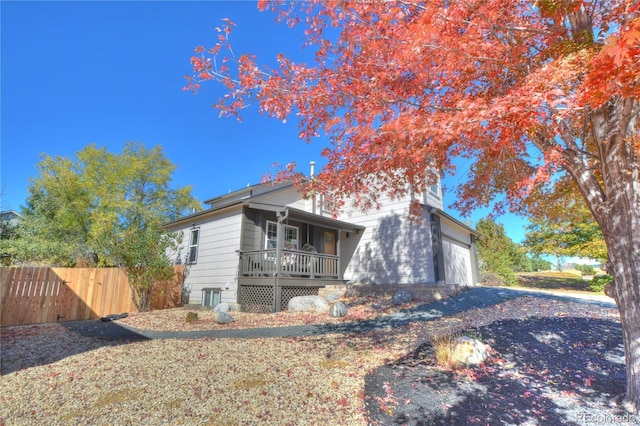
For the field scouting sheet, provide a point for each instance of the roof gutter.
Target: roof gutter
(439, 212)
(199, 214)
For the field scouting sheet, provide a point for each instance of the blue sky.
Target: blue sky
(75, 73)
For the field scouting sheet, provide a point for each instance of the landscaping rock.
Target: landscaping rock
(338, 310)
(309, 304)
(469, 351)
(402, 297)
(224, 318)
(221, 307)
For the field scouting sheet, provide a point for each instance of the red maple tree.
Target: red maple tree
(528, 90)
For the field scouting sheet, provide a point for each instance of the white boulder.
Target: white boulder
(224, 318)
(221, 307)
(469, 351)
(308, 304)
(338, 310)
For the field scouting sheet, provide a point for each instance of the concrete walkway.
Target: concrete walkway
(474, 298)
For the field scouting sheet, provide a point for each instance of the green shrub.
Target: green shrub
(539, 264)
(586, 269)
(191, 316)
(502, 278)
(599, 282)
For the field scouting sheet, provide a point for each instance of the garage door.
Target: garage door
(457, 262)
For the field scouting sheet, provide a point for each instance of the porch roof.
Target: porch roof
(311, 218)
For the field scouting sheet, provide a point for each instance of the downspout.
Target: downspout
(279, 244)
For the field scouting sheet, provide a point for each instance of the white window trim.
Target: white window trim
(193, 246)
(266, 234)
(211, 289)
(326, 204)
(284, 227)
(437, 192)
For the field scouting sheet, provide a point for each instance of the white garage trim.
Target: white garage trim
(457, 262)
(456, 240)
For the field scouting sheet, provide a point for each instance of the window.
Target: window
(194, 238)
(326, 204)
(272, 235)
(210, 296)
(434, 188)
(290, 235)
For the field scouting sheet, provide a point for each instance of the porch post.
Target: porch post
(338, 244)
(277, 299)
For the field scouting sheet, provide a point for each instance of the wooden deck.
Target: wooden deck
(293, 263)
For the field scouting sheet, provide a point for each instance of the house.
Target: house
(9, 220)
(264, 244)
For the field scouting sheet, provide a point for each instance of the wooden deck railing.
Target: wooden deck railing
(293, 263)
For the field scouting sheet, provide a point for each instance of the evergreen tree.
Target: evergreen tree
(495, 250)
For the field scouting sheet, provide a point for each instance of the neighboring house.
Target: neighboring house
(9, 220)
(264, 244)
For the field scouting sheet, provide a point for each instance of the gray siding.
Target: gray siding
(285, 197)
(217, 261)
(251, 231)
(392, 249)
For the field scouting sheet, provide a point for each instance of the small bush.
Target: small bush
(473, 334)
(191, 316)
(444, 350)
(599, 282)
(586, 269)
(491, 279)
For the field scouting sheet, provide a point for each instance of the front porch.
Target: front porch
(287, 252)
(291, 263)
(266, 285)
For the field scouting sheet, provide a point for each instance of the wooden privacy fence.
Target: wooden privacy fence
(32, 295)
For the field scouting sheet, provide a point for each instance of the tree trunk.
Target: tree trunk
(614, 200)
(140, 296)
(619, 220)
(625, 268)
(144, 299)
(616, 207)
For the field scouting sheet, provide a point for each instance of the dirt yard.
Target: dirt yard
(54, 376)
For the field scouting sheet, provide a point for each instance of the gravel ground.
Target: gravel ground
(542, 371)
(52, 375)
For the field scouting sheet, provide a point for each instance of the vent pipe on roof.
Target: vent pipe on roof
(312, 165)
